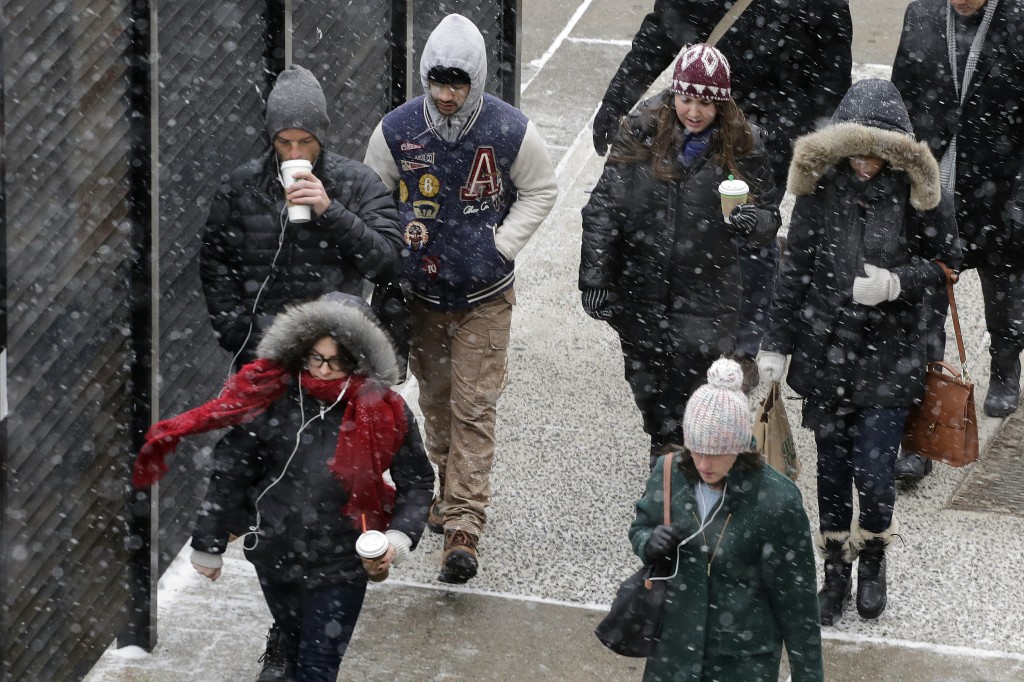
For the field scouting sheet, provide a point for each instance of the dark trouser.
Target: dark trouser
(1002, 288)
(662, 382)
(858, 449)
(317, 624)
(757, 278)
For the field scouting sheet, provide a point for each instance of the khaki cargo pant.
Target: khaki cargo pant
(459, 359)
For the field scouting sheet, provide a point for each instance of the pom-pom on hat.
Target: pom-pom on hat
(717, 419)
(702, 72)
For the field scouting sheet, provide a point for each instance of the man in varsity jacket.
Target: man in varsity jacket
(474, 182)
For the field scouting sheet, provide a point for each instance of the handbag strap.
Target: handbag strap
(726, 22)
(952, 277)
(666, 487)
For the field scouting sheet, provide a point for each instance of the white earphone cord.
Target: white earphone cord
(703, 524)
(254, 530)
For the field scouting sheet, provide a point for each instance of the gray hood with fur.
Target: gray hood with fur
(870, 121)
(345, 318)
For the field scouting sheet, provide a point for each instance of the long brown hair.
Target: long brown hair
(731, 140)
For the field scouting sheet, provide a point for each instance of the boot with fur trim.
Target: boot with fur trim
(871, 588)
(835, 549)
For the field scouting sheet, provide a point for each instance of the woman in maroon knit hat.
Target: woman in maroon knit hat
(315, 428)
(658, 261)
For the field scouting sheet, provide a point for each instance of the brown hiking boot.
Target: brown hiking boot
(458, 560)
(435, 519)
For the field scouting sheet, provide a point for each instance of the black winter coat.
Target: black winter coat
(303, 537)
(790, 61)
(845, 354)
(357, 237)
(663, 249)
(989, 124)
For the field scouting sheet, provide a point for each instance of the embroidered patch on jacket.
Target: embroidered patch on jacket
(407, 146)
(416, 235)
(484, 180)
(432, 266)
(403, 191)
(429, 185)
(426, 210)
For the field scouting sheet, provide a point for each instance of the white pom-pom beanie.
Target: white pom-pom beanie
(717, 419)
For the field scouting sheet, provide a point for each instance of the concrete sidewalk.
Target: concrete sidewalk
(572, 460)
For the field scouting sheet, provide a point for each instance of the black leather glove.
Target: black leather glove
(594, 303)
(606, 125)
(663, 543)
(744, 219)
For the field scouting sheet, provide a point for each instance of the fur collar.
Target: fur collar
(814, 154)
(347, 319)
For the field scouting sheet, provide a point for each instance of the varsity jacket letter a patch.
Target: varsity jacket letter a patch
(484, 180)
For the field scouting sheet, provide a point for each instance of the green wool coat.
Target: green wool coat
(727, 620)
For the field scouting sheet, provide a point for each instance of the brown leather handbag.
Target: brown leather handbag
(944, 427)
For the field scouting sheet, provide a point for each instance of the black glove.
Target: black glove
(606, 125)
(594, 301)
(663, 542)
(744, 218)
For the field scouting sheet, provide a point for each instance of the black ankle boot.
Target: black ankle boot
(275, 658)
(1003, 385)
(871, 592)
(835, 593)
(911, 468)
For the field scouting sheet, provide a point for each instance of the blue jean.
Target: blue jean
(858, 449)
(317, 625)
(757, 280)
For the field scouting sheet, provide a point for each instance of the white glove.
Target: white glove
(771, 366)
(878, 286)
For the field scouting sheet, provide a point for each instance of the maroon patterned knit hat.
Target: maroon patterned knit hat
(702, 72)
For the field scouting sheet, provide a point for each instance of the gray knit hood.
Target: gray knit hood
(345, 318)
(456, 43)
(297, 101)
(871, 120)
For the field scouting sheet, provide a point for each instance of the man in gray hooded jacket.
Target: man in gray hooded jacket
(475, 181)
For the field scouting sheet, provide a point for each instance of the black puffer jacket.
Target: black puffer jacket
(303, 536)
(989, 124)
(663, 249)
(790, 61)
(357, 237)
(845, 354)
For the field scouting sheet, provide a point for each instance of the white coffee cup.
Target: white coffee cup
(733, 193)
(372, 546)
(296, 213)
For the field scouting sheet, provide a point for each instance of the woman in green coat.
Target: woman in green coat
(741, 547)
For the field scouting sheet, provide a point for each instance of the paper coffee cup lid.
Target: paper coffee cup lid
(303, 163)
(372, 544)
(733, 187)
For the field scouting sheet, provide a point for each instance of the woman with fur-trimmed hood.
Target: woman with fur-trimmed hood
(869, 222)
(315, 429)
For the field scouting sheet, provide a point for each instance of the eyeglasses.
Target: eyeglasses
(337, 363)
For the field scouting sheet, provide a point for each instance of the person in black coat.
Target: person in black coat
(658, 261)
(315, 429)
(791, 62)
(869, 222)
(960, 69)
(254, 261)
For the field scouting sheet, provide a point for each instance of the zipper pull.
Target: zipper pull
(323, 411)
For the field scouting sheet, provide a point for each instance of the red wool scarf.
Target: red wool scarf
(373, 427)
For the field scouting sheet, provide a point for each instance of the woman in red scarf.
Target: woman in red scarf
(314, 428)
